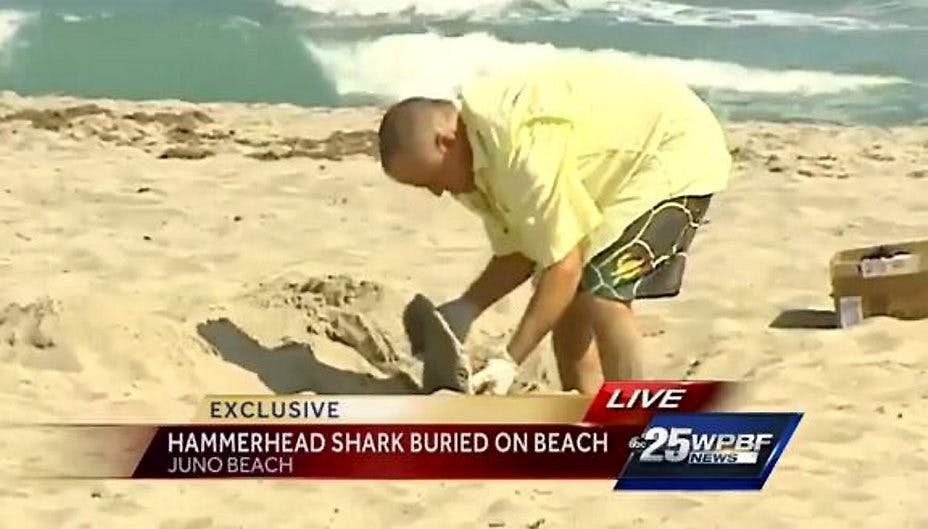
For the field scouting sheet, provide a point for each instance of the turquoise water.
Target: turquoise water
(862, 62)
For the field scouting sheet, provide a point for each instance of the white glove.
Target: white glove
(496, 377)
(459, 314)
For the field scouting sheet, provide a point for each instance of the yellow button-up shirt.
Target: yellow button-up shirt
(574, 151)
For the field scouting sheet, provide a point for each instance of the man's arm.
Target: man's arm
(555, 291)
(502, 275)
(553, 213)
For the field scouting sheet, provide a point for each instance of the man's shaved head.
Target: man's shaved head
(423, 143)
(409, 126)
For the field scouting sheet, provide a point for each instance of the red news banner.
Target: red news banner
(419, 437)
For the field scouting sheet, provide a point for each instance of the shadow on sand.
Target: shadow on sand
(805, 319)
(293, 368)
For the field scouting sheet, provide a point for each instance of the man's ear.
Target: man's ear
(444, 141)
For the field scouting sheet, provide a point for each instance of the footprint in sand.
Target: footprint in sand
(875, 153)
(29, 337)
(652, 326)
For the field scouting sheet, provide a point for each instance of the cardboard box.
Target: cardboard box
(887, 280)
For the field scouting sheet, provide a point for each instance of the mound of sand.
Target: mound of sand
(184, 134)
(344, 310)
(362, 315)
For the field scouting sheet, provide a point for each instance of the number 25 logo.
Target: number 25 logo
(674, 442)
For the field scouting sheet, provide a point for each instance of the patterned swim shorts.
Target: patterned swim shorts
(649, 259)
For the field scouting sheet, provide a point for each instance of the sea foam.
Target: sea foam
(641, 12)
(10, 22)
(433, 64)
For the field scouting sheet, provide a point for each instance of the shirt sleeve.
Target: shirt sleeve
(545, 202)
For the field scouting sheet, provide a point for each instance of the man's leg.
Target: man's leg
(574, 348)
(617, 338)
(647, 261)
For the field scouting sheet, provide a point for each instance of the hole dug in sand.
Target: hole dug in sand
(335, 309)
(343, 310)
(29, 337)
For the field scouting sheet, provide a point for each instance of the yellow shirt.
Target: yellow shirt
(574, 151)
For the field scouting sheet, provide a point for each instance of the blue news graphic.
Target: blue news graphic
(707, 451)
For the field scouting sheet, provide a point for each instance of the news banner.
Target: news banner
(641, 435)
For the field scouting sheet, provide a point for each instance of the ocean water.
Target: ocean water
(836, 61)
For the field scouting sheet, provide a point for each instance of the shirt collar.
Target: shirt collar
(477, 148)
(479, 156)
(477, 145)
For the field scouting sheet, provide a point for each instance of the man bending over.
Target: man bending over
(593, 176)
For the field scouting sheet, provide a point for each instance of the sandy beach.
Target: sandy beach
(144, 241)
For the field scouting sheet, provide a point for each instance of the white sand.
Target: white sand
(105, 326)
